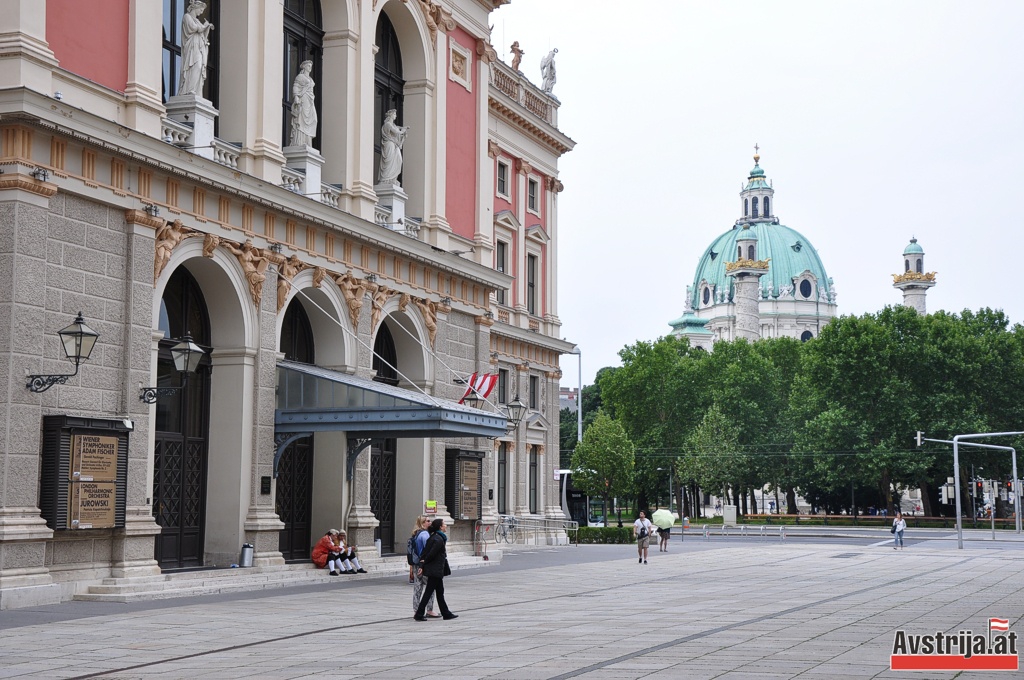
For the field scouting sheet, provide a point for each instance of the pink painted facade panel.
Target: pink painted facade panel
(461, 151)
(92, 42)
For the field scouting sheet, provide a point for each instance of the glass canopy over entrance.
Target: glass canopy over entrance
(313, 399)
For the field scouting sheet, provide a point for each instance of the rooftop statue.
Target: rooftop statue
(517, 55)
(547, 70)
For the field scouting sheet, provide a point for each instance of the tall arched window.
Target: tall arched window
(920, 268)
(174, 12)
(906, 265)
(746, 207)
(297, 335)
(750, 252)
(754, 206)
(303, 39)
(388, 84)
(739, 252)
(767, 212)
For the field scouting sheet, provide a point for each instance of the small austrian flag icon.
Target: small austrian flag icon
(999, 625)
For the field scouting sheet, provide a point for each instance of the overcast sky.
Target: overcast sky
(877, 121)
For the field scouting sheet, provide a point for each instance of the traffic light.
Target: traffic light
(979, 488)
(919, 438)
(1009, 486)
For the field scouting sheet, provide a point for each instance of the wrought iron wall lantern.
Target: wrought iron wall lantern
(78, 341)
(186, 355)
(514, 410)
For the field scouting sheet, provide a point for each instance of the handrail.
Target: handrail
(532, 527)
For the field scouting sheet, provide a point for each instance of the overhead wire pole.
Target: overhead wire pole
(956, 472)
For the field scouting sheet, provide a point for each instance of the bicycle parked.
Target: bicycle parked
(505, 530)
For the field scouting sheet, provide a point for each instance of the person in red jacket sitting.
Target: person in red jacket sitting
(327, 552)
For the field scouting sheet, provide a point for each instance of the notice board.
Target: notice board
(84, 472)
(464, 479)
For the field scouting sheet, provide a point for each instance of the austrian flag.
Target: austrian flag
(999, 625)
(481, 384)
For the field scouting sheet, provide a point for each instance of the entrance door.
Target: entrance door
(295, 470)
(295, 499)
(382, 491)
(181, 429)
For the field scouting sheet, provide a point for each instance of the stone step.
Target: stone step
(214, 581)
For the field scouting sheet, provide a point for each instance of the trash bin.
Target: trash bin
(686, 522)
(245, 560)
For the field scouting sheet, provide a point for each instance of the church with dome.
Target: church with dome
(762, 279)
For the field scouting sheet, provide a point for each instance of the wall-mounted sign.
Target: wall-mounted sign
(92, 505)
(463, 491)
(430, 508)
(83, 477)
(469, 489)
(93, 458)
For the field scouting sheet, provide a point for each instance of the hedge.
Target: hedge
(606, 535)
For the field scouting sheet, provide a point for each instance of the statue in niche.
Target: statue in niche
(195, 49)
(304, 117)
(354, 290)
(428, 308)
(517, 56)
(392, 138)
(547, 70)
(254, 264)
(168, 237)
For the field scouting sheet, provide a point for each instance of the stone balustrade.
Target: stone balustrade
(516, 87)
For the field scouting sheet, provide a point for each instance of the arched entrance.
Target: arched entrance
(181, 429)
(294, 496)
(383, 452)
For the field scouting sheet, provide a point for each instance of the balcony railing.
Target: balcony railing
(516, 87)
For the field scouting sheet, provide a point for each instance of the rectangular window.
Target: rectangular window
(533, 195)
(531, 284)
(501, 264)
(502, 478)
(502, 385)
(503, 179)
(534, 480)
(534, 392)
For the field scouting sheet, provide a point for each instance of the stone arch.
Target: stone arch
(412, 343)
(234, 336)
(328, 317)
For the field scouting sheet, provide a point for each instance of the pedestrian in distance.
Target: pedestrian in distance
(419, 541)
(899, 525)
(642, 532)
(327, 552)
(663, 536)
(349, 560)
(434, 564)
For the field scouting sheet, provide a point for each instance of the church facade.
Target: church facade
(275, 240)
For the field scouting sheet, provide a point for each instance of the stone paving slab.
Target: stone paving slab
(713, 613)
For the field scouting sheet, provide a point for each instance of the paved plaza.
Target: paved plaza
(739, 608)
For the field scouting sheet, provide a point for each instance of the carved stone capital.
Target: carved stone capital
(485, 51)
(492, 148)
(525, 168)
(132, 216)
(29, 184)
(554, 185)
(483, 320)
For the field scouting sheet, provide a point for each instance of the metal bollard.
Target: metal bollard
(782, 533)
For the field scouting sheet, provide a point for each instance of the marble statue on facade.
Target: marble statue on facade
(392, 137)
(304, 117)
(195, 49)
(428, 308)
(353, 290)
(517, 56)
(547, 70)
(771, 290)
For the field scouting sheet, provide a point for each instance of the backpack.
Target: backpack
(411, 556)
(643, 531)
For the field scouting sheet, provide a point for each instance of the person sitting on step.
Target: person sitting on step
(327, 553)
(348, 556)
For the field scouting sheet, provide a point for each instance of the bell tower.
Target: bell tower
(757, 198)
(914, 281)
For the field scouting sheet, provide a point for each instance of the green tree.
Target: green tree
(602, 463)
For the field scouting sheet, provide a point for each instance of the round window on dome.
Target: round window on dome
(806, 335)
(805, 288)
(707, 295)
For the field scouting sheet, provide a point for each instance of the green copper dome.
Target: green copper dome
(913, 248)
(790, 252)
(746, 234)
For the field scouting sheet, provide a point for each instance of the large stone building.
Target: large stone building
(338, 269)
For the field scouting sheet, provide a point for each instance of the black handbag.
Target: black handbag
(447, 569)
(892, 529)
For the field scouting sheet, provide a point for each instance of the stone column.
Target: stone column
(746, 282)
(143, 96)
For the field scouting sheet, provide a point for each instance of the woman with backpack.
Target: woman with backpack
(413, 549)
(434, 565)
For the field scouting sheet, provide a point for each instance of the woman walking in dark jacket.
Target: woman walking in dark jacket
(434, 565)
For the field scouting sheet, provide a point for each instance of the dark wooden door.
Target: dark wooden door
(382, 491)
(179, 474)
(295, 499)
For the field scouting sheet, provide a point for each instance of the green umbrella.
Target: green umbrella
(663, 518)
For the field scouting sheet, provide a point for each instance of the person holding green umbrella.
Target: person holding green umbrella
(664, 520)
